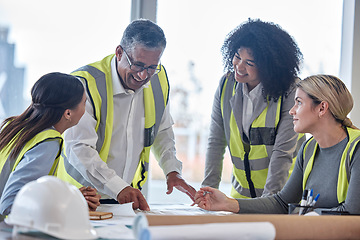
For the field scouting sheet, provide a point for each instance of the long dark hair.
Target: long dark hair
(51, 95)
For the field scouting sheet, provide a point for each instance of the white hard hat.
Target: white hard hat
(54, 207)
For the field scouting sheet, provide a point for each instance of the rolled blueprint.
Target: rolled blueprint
(208, 231)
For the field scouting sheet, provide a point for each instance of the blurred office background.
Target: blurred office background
(41, 36)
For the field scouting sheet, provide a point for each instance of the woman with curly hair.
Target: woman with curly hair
(250, 112)
(327, 163)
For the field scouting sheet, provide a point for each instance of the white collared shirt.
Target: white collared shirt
(250, 100)
(127, 142)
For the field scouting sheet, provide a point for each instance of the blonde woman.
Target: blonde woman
(328, 163)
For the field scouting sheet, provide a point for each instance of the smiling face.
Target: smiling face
(140, 56)
(245, 69)
(305, 115)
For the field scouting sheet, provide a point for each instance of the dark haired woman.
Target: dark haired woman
(251, 110)
(31, 143)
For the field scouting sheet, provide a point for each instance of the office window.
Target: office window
(64, 35)
(41, 36)
(195, 31)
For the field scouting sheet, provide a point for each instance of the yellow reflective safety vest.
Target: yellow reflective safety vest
(98, 81)
(251, 161)
(310, 149)
(8, 165)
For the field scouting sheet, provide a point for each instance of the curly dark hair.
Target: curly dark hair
(275, 53)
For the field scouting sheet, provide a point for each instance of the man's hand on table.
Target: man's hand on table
(130, 194)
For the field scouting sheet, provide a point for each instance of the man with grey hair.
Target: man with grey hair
(127, 114)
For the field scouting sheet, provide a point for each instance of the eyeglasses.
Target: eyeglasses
(137, 68)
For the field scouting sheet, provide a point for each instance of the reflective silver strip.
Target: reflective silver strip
(270, 125)
(348, 158)
(255, 164)
(55, 169)
(5, 173)
(75, 174)
(244, 191)
(308, 152)
(150, 133)
(299, 142)
(271, 115)
(100, 79)
(227, 93)
(146, 165)
(58, 158)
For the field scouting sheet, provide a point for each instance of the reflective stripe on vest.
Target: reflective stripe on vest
(98, 81)
(8, 165)
(310, 149)
(155, 101)
(250, 162)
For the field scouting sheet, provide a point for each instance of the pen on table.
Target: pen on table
(303, 201)
(315, 200)
(310, 198)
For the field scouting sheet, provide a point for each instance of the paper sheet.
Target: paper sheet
(122, 214)
(115, 232)
(228, 231)
(124, 210)
(115, 220)
(179, 209)
(208, 231)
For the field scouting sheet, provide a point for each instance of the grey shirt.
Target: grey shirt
(36, 162)
(322, 179)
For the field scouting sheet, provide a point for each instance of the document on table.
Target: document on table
(122, 214)
(115, 232)
(179, 209)
(240, 230)
(124, 210)
(118, 227)
(208, 231)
